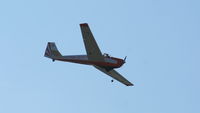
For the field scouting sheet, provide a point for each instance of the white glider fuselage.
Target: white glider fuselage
(109, 62)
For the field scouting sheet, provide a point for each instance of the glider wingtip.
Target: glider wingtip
(130, 84)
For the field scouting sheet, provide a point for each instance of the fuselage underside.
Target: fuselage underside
(111, 62)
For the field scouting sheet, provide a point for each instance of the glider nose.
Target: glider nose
(124, 61)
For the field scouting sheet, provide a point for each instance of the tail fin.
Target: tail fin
(51, 50)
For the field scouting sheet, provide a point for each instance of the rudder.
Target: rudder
(51, 50)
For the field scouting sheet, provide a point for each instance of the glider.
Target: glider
(94, 57)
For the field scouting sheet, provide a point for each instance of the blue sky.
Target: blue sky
(160, 38)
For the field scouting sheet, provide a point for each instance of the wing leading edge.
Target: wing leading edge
(114, 74)
(92, 49)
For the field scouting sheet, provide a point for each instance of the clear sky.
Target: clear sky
(160, 37)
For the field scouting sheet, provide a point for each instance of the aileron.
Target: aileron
(114, 74)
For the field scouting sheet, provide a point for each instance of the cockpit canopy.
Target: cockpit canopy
(106, 55)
